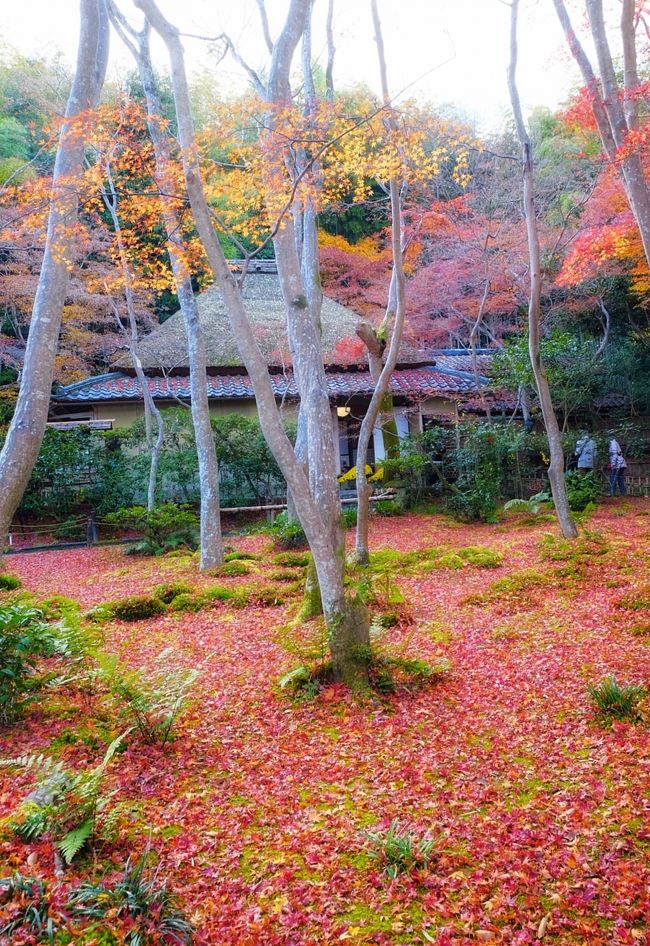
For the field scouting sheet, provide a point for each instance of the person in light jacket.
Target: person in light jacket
(586, 451)
(617, 468)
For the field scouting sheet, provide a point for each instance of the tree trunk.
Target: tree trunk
(151, 411)
(212, 551)
(556, 468)
(396, 310)
(26, 430)
(343, 617)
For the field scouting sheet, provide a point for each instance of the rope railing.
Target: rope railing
(91, 523)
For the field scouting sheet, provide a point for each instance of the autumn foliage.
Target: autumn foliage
(260, 810)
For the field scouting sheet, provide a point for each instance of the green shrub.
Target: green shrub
(57, 607)
(614, 701)
(165, 528)
(292, 559)
(152, 911)
(9, 582)
(400, 850)
(137, 608)
(186, 602)
(582, 489)
(168, 591)
(24, 639)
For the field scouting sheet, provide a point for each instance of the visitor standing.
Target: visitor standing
(617, 468)
(586, 451)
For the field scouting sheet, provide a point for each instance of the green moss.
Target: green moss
(58, 606)
(186, 602)
(241, 557)
(515, 587)
(219, 593)
(267, 596)
(641, 630)
(285, 574)
(234, 568)
(639, 601)
(137, 608)
(312, 606)
(480, 556)
(170, 590)
(292, 559)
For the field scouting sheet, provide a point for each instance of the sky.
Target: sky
(447, 52)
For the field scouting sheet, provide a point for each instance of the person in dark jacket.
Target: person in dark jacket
(617, 468)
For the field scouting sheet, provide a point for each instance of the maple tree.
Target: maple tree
(616, 103)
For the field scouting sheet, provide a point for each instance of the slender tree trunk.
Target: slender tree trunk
(396, 317)
(212, 551)
(556, 468)
(347, 620)
(151, 411)
(614, 108)
(26, 430)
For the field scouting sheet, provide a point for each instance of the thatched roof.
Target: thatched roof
(166, 347)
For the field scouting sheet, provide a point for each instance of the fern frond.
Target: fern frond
(74, 840)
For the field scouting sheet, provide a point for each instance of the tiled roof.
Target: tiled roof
(409, 382)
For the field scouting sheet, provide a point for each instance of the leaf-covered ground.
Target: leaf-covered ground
(261, 807)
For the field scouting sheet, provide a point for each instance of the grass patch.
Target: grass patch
(616, 701)
(285, 574)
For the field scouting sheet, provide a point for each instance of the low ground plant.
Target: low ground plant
(400, 849)
(25, 908)
(582, 489)
(615, 701)
(24, 639)
(153, 700)
(69, 805)
(140, 897)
